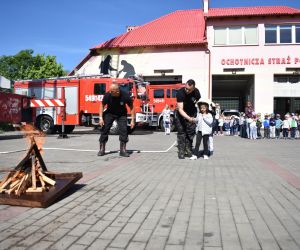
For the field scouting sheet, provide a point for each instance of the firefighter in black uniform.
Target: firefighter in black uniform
(115, 101)
(186, 112)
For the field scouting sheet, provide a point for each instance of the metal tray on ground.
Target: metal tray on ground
(64, 181)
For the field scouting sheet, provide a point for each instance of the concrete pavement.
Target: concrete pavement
(244, 197)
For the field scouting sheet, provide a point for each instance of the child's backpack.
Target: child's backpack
(258, 123)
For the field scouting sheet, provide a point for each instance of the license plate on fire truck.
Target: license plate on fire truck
(139, 117)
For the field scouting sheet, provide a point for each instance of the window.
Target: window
(292, 79)
(126, 87)
(286, 34)
(99, 88)
(168, 93)
(220, 36)
(297, 30)
(271, 34)
(250, 35)
(174, 93)
(159, 93)
(141, 91)
(236, 35)
(297, 105)
(282, 34)
(228, 102)
(281, 79)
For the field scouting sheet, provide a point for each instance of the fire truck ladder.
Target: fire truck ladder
(66, 78)
(150, 118)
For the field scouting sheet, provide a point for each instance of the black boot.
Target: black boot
(188, 152)
(101, 150)
(123, 150)
(188, 149)
(180, 155)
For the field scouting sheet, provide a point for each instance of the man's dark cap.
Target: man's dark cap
(191, 82)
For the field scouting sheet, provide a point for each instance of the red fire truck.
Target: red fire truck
(81, 96)
(158, 97)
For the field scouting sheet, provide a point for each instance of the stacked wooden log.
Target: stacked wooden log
(29, 176)
(28, 181)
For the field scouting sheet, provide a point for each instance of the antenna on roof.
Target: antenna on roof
(131, 27)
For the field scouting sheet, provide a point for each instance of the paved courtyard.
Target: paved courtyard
(244, 197)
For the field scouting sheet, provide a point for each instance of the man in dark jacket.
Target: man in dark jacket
(186, 97)
(115, 101)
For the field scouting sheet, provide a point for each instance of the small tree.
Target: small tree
(24, 65)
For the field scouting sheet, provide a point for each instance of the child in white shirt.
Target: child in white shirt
(167, 119)
(285, 127)
(204, 129)
(221, 123)
(253, 129)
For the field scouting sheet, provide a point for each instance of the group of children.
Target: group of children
(208, 125)
(273, 126)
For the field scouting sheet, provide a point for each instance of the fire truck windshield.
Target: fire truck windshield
(141, 91)
(126, 87)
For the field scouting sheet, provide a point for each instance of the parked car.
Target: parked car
(230, 112)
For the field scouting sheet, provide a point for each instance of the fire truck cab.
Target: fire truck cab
(82, 96)
(158, 97)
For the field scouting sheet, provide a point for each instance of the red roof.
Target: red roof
(252, 11)
(182, 27)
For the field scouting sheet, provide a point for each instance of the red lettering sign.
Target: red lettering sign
(259, 61)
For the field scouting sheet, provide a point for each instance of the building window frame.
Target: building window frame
(158, 93)
(286, 79)
(279, 28)
(243, 35)
(297, 28)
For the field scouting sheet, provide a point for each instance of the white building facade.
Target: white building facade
(256, 59)
(235, 55)
(156, 65)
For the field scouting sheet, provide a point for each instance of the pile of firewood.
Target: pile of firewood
(29, 176)
(20, 181)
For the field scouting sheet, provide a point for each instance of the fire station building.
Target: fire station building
(233, 54)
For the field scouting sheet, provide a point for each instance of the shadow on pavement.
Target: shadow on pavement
(11, 137)
(72, 190)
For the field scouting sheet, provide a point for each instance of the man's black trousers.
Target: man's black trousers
(185, 134)
(122, 127)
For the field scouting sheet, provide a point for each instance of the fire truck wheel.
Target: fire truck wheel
(45, 124)
(68, 129)
(161, 125)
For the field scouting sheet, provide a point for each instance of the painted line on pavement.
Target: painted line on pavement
(163, 151)
(133, 151)
(15, 151)
(92, 150)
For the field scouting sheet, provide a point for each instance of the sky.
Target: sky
(67, 29)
